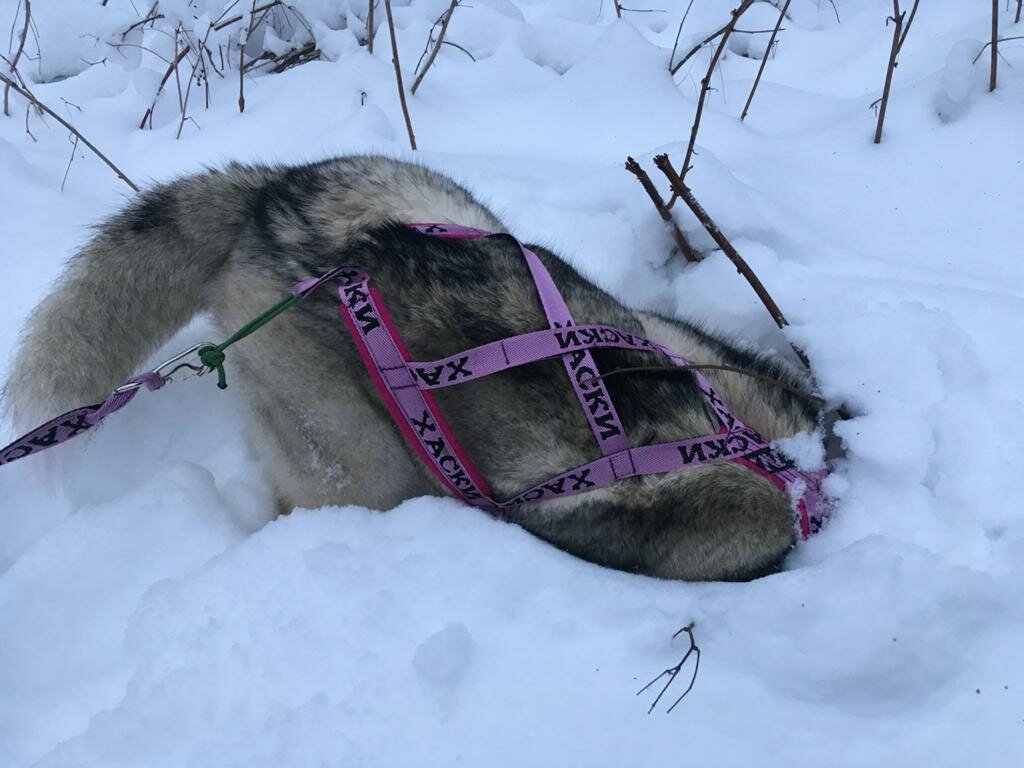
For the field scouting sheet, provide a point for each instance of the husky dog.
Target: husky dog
(232, 243)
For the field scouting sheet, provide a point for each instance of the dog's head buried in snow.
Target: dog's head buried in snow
(232, 242)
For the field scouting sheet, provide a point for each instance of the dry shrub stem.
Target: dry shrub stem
(637, 170)
(1001, 40)
(705, 86)
(899, 37)
(683, 191)
(446, 18)
(18, 52)
(764, 61)
(369, 26)
(398, 73)
(994, 66)
(171, 69)
(726, 30)
(23, 91)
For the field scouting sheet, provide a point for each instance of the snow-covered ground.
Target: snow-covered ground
(152, 613)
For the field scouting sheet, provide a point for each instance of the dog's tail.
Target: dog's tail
(145, 274)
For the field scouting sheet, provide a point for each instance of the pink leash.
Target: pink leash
(405, 386)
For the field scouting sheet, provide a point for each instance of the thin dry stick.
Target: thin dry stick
(665, 166)
(910, 21)
(728, 26)
(705, 86)
(1020, 4)
(171, 69)
(672, 58)
(398, 73)
(673, 672)
(894, 50)
(637, 170)
(1001, 40)
(764, 61)
(369, 26)
(24, 92)
(17, 53)
(437, 46)
(994, 67)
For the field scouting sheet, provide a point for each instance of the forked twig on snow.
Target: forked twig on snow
(23, 91)
(637, 170)
(398, 73)
(673, 672)
(446, 17)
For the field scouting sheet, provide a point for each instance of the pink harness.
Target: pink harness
(405, 387)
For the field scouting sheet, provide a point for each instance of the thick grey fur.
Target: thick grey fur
(232, 242)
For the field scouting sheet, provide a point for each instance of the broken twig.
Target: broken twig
(637, 170)
(665, 166)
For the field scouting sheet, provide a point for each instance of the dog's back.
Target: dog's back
(232, 242)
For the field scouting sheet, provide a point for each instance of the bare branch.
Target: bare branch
(672, 58)
(705, 84)
(74, 147)
(25, 93)
(994, 66)
(17, 53)
(894, 50)
(910, 20)
(171, 69)
(1001, 40)
(764, 61)
(398, 73)
(729, 26)
(637, 170)
(665, 165)
(1020, 5)
(151, 15)
(369, 26)
(446, 18)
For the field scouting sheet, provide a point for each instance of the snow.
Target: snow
(155, 612)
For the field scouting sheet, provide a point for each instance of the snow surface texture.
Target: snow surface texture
(154, 614)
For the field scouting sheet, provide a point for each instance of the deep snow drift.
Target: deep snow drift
(155, 615)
